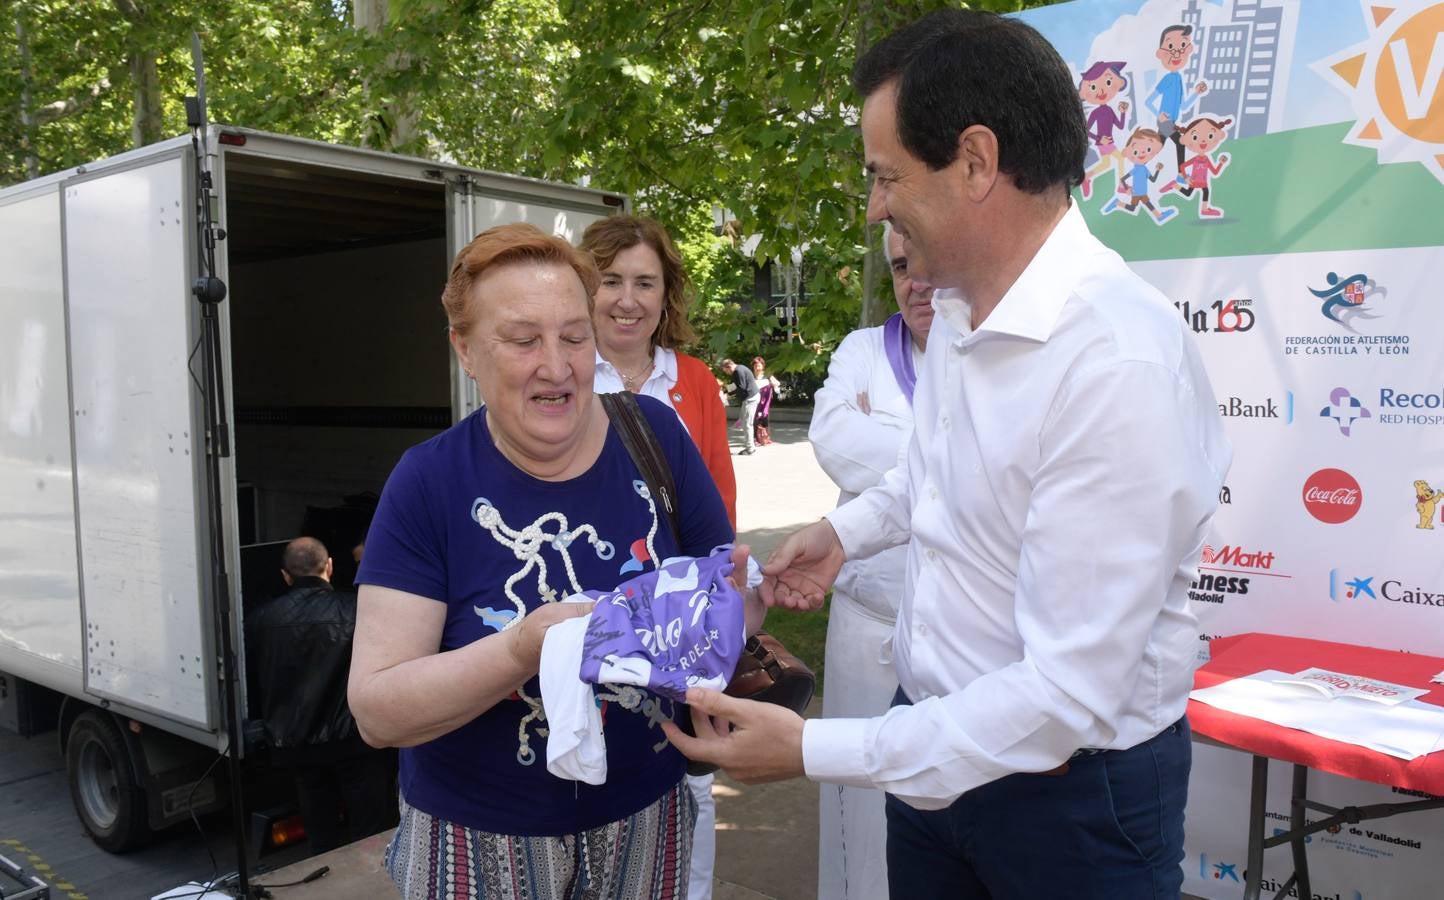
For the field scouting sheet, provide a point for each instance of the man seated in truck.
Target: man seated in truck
(299, 650)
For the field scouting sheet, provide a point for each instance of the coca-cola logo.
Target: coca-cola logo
(1332, 496)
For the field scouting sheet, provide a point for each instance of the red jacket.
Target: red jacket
(695, 399)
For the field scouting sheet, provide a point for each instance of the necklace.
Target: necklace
(632, 382)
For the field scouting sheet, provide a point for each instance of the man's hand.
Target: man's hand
(753, 741)
(526, 636)
(1200, 88)
(799, 572)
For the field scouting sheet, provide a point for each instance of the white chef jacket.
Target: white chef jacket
(1066, 459)
(856, 449)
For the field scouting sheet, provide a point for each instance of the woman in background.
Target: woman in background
(768, 389)
(640, 319)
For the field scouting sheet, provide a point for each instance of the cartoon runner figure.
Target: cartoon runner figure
(1143, 145)
(1099, 85)
(1202, 136)
(1175, 46)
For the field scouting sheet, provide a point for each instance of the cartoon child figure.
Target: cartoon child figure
(1167, 101)
(1099, 85)
(1143, 145)
(1202, 136)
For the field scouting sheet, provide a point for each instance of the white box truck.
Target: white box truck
(333, 359)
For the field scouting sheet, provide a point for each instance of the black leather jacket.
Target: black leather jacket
(298, 657)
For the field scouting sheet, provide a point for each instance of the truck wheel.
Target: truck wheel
(108, 799)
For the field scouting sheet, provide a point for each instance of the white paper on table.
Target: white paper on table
(1408, 730)
(1332, 684)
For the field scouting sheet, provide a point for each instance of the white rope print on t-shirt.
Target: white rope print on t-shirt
(526, 544)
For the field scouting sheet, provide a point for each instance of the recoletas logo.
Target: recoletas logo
(1345, 409)
(1332, 496)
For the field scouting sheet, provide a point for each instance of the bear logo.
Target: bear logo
(1426, 502)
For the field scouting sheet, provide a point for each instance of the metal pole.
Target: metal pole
(1253, 875)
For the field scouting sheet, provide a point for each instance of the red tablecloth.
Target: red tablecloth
(1245, 654)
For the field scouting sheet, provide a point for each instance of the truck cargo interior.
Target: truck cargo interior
(338, 349)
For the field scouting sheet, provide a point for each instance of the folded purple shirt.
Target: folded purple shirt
(669, 629)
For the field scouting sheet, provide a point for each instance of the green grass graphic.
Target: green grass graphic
(1292, 192)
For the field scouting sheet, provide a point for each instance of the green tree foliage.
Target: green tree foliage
(687, 105)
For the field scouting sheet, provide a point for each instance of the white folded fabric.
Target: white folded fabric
(576, 749)
(1406, 731)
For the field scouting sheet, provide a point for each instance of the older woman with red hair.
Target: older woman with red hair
(480, 531)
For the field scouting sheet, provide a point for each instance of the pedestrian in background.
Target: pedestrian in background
(768, 389)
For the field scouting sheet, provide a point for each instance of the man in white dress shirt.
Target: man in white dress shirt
(862, 421)
(1066, 460)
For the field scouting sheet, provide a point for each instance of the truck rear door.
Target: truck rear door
(139, 448)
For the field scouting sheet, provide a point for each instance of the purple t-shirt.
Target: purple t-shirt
(668, 629)
(439, 532)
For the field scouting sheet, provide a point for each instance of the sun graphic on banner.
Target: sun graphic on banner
(1395, 82)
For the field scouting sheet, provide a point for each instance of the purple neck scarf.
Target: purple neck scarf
(898, 342)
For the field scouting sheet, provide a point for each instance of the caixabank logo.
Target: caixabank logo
(1228, 571)
(1234, 315)
(1275, 407)
(1345, 585)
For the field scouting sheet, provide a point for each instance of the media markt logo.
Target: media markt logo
(1227, 570)
(1258, 408)
(1232, 316)
(1332, 496)
(1345, 409)
(1346, 301)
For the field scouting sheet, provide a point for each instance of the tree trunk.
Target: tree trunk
(145, 119)
(27, 116)
(146, 124)
(877, 299)
(390, 125)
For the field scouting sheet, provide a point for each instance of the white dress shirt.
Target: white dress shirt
(857, 448)
(1066, 458)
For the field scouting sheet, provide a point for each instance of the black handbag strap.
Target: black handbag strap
(641, 443)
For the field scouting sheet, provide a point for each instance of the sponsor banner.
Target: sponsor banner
(1294, 228)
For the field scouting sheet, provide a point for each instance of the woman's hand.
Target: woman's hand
(525, 638)
(754, 610)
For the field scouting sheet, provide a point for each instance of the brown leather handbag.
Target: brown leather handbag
(769, 672)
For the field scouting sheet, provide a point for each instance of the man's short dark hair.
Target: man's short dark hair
(1184, 30)
(958, 67)
(304, 556)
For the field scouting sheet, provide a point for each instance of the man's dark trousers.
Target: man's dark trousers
(1111, 827)
(345, 798)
